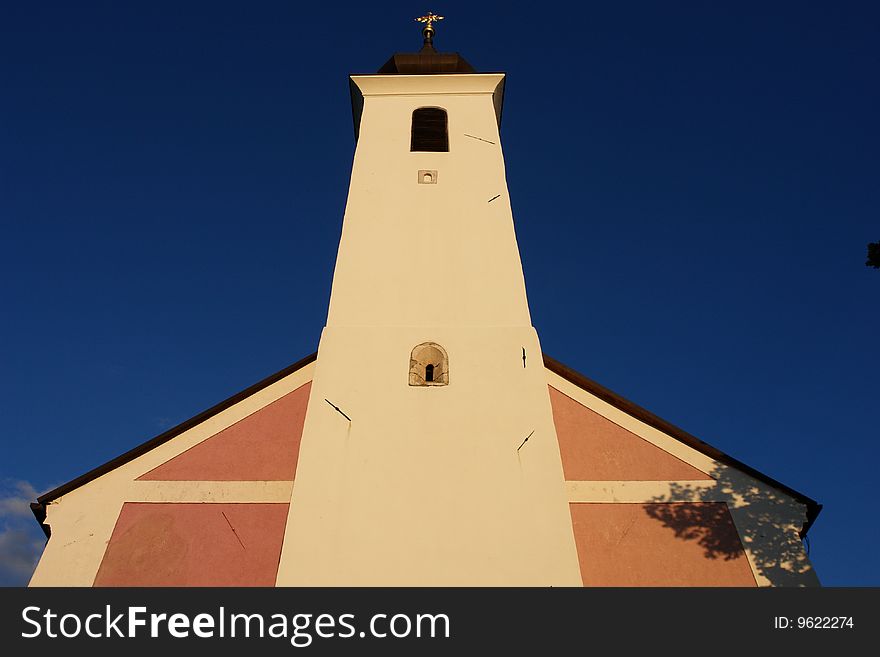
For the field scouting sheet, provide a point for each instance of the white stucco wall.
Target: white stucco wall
(425, 485)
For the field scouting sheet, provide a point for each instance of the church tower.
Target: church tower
(427, 477)
(429, 441)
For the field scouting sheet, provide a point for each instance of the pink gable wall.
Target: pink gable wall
(595, 449)
(264, 446)
(194, 545)
(676, 544)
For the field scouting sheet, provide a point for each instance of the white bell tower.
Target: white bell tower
(429, 454)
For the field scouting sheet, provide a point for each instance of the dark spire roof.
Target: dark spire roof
(427, 60)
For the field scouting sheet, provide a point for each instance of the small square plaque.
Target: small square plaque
(427, 177)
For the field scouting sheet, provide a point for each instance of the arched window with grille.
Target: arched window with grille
(428, 365)
(429, 130)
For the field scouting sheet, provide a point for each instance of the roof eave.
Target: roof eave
(39, 508)
(812, 507)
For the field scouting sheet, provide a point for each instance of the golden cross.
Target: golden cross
(430, 18)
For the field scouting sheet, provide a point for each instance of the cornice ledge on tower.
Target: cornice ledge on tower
(463, 84)
(408, 85)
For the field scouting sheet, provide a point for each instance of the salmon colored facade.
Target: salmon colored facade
(593, 448)
(261, 447)
(644, 509)
(429, 442)
(626, 545)
(180, 544)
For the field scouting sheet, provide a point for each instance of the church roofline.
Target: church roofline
(39, 507)
(646, 416)
(813, 508)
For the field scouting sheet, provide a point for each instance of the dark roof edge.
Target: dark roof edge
(39, 509)
(426, 62)
(600, 391)
(646, 416)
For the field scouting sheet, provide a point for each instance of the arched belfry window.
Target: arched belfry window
(429, 130)
(428, 365)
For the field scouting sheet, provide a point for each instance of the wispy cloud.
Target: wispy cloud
(19, 552)
(15, 499)
(21, 540)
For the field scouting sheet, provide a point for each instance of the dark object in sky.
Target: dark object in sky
(873, 255)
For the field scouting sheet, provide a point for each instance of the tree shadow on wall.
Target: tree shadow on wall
(765, 521)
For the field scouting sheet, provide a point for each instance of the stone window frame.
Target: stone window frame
(424, 354)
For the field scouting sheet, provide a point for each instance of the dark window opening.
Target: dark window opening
(428, 365)
(429, 131)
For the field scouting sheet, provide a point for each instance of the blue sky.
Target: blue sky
(694, 185)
